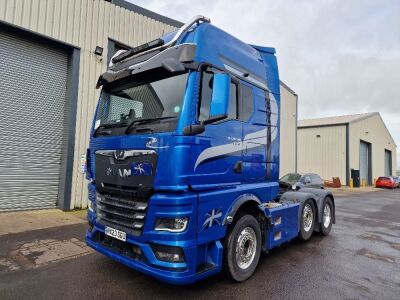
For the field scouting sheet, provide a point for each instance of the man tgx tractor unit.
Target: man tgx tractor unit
(183, 160)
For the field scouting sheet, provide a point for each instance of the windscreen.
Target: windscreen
(291, 178)
(123, 105)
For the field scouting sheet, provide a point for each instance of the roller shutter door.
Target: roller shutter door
(388, 163)
(33, 80)
(364, 162)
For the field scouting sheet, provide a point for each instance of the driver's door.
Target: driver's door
(218, 151)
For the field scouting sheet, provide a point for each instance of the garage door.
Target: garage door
(388, 163)
(32, 114)
(364, 162)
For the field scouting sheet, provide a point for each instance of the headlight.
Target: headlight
(171, 224)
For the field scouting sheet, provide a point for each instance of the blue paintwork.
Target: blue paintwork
(285, 224)
(205, 191)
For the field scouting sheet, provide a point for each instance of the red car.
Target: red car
(386, 182)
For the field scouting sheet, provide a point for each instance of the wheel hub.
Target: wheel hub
(326, 218)
(246, 246)
(308, 217)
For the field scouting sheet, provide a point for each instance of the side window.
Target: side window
(205, 94)
(246, 107)
(317, 179)
(232, 108)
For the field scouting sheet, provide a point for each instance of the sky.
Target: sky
(340, 57)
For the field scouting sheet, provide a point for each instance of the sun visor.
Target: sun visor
(183, 53)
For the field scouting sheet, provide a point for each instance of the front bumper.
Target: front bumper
(200, 260)
(175, 273)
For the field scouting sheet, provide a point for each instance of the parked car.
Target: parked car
(297, 181)
(397, 180)
(386, 182)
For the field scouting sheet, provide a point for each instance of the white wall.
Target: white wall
(288, 123)
(324, 155)
(374, 131)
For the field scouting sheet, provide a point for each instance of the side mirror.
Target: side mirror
(220, 95)
(307, 180)
(200, 128)
(295, 187)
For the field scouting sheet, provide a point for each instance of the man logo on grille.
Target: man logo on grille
(124, 173)
(119, 154)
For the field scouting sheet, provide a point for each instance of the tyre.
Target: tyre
(327, 216)
(242, 248)
(307, 220)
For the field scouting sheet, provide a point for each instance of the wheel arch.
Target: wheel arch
(248, 203)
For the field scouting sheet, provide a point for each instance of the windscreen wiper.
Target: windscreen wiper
(105, 126)
(144, 121)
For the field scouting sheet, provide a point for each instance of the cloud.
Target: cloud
(341, 57)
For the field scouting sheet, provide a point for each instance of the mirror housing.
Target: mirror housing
(220, 95)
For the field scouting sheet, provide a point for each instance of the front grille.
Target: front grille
(123, 213)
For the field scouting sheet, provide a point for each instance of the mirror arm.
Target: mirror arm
(199, 128)
(214, 119)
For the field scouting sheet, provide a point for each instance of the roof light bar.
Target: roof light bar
(158, 44)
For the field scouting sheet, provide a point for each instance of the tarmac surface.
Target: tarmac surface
(359, 259)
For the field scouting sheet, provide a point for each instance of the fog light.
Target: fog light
(171, 224)
(137, 252)
(168, 253)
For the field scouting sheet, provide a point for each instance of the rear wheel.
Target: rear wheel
(243, 248)
(327, 216)
(307, 222)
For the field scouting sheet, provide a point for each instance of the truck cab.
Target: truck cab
(183, 159)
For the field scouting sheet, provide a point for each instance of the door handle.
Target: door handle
(238, 167)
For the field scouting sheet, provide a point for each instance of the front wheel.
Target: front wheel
(243, 248)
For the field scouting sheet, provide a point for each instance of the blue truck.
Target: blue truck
(183, 159)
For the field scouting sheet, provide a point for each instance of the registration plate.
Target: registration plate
(120, 235)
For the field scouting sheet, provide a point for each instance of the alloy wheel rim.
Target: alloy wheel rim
(246, 246)
(326, 218)
(308, 218)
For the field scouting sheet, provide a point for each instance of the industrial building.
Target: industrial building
(288, 123)
(52, 54)
(344, 146)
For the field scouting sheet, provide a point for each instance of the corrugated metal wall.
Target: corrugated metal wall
(372, 130)
(85, 24)
(322, 150)
(288, 123)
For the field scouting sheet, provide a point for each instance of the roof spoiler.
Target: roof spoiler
(157, 44)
